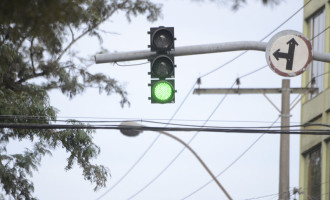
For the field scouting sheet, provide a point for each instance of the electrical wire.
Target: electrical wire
(173, 125)
(232, 61)
(149, 147)
(265, 196)
(241, 154)
(318, 75)
(177, 156)
(109, 119)
(230, 165)
(301, 96)
(94, 122)
(320, 184)
(157, 128)
(172, 161)
(269, 195)
(129, 65)
(266, 36)
(320, 33)
(248, 74)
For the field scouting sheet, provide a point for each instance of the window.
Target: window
(317, 35)
(314, 184)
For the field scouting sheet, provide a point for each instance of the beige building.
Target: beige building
(315, 150)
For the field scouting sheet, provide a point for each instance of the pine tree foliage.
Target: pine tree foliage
(35, 41)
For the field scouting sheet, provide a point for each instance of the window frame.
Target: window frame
(316, 67)
(308, 184)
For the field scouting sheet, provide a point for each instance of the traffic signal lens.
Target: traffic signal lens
(163, 91)
(162, 67)
(163, 39)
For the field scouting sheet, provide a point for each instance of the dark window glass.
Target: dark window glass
(314, 174)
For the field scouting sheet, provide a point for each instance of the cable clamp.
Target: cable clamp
(285, 115)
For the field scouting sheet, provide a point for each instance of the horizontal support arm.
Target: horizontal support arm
(197, 49)
(321, 56)
(252, 90)
(183, 51)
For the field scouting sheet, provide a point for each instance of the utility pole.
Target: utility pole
(284, 180)
(285, 91)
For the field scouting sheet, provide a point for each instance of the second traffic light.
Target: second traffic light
(162, 65)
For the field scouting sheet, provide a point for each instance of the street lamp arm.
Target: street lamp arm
(200, 160)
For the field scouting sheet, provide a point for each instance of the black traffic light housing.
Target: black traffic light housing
(162, 66)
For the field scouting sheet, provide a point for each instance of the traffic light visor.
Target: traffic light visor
(162, 91)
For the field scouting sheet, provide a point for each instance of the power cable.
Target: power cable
(237, 127)
(318, 75)
(241, 154)
(155, 128)
(177, 156)
(109, 119)
(231, 164)
(173, 125)
(269, 195)
(319, 33)
(149, 147)
(254, 71)
(301, 96)
(129, 65)
(262, 197)
(232, 61)
(8, 119)
(241, 54)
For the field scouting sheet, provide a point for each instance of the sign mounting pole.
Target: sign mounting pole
(284, 179)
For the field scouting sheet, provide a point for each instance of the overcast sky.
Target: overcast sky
(254, 175)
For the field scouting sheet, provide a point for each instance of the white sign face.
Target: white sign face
(288, 53)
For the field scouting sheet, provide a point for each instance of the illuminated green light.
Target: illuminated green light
(163, 91)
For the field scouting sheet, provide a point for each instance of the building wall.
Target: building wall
(316, 109)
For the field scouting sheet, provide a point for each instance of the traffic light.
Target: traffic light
(162, 65)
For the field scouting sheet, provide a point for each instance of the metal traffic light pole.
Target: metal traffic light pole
(197, 49)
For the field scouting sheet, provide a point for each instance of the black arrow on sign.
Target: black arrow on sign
(288, 56)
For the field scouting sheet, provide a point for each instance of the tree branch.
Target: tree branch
(82, 35)
(31, 56)
(72, 35)
(35, 75)
(88, 30)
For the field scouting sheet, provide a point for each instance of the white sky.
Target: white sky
(256, 174)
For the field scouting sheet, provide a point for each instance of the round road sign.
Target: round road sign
(288, 53)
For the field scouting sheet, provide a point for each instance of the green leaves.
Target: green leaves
(35, 38)
(14, 170)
